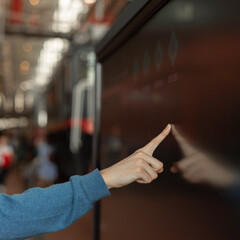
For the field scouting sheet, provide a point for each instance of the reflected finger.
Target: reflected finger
(186, 163)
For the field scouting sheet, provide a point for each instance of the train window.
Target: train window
(181, 67)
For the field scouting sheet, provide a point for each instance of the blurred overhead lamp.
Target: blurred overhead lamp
(89, 2)
(34, 2)
(25, 85)
(64, 3)
(6, 123)
(27, 47)
(42, 118)
(41, 80)
(24, 66)
(19, 102)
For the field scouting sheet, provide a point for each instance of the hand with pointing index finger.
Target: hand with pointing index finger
(139, 167)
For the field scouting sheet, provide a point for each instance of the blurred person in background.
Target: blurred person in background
(47, 172)
(6, 159)
(19, 144)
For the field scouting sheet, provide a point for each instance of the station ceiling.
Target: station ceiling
(34, 36)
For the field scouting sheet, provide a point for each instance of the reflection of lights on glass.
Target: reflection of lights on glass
(42, 118)
(27, 47)
(89, 2)
(34, 2)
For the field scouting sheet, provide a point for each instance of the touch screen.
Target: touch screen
(181, 67)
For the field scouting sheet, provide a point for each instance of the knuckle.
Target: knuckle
(140, 153)
(140, 161)
(139, 170)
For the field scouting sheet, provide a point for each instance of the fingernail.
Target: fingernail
(168, 126)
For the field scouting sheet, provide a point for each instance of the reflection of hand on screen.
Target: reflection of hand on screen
(198, 167)
(141, 166)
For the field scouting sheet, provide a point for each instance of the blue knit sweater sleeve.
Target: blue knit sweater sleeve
(44, 210)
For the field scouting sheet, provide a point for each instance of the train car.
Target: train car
(70, 110)
(171, 62)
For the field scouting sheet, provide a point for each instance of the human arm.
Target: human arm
(39, 210)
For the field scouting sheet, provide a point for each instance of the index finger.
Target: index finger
(151, 146)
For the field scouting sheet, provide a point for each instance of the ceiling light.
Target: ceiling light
(34, 2)
(64, 3)
(27, 47)
(41, 80)
(89, 2)
(19, 102)
(42, 118)
(25, 85)
(24, 66)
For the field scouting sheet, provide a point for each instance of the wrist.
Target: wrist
(105, 178)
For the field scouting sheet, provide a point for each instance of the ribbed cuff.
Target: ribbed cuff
(95, 187)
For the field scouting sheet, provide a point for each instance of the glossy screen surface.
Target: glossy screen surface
(181, 67)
